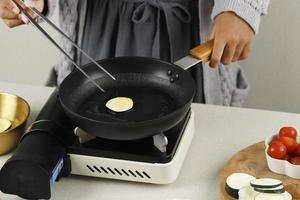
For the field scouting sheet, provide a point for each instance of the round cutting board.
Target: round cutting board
(251, 160)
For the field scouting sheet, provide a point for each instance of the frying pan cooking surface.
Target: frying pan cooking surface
(150, 101)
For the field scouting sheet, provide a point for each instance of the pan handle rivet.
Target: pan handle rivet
(169, 72)
(177, 76)
(172, 80)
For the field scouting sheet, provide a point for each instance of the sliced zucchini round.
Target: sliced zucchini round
(265, 196)
(5, 124)
(120, 104)
(265, 183)
(287, 196)
(276, 190)
(235, 182)
(247, 193)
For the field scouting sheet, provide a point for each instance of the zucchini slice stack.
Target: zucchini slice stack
(246, 187)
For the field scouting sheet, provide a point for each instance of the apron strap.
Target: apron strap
(174, 13)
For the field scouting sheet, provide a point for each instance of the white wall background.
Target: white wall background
(26, 56)
(273, 68)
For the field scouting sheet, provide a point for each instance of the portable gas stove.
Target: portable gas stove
(155, 160)
(50, 150)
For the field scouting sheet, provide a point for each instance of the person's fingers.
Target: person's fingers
(5, 13)
(24, 18)
(21, 16)
(246, 52)
(13, 22)
(38, 4)
(238, 51)
(219, 45)
(30, 3)
(228, 53)
(12, 6)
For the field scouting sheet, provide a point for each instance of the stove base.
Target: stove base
(156, 173)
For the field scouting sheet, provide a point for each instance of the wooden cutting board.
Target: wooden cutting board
(251, 160)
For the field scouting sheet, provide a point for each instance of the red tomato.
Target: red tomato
(277, 150)
(288, 132)
(290, 143)
(288, 157)
(297, 150)
(276, 141)
(295, 160)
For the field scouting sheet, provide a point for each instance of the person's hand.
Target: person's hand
(11, 14)
(233, 39)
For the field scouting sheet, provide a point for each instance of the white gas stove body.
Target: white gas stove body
(155, 173)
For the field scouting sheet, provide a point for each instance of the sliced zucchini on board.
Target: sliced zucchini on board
(275, 190)
(246, 187)
(287, 196)
(265, 196)
(4, 124)
(247, 193)
(237, 181)
(265, 183)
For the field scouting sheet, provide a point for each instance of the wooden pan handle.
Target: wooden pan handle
(203, 51)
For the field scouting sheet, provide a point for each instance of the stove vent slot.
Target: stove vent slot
(106, 172)
(125, 172)
(111, 171)
(97, 169)
(133, 174)
(138, 173)
(118, 172)
(91, 169)
(146, 175)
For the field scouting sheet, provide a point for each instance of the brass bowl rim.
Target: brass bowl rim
(25, 119)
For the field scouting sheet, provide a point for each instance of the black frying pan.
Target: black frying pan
(162, 93)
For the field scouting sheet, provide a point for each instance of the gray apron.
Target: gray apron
(164, 29)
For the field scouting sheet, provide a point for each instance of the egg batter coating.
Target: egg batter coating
(119, 104)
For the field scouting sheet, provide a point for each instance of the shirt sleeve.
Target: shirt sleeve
(249, 10)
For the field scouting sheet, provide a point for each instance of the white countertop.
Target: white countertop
(220, 133)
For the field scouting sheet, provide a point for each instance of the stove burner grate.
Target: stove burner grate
(159, 149)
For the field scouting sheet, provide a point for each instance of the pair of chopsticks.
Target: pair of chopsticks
(20, 4)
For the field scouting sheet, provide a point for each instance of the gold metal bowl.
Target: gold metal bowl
(16, 110)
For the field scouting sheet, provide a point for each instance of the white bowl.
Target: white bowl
(281, 166)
